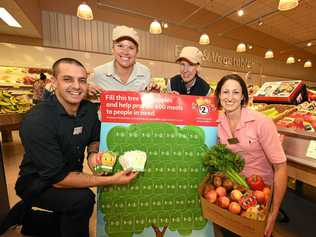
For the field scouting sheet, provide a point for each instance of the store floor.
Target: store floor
(301, 211)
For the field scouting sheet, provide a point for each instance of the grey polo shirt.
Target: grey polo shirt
(105, 77)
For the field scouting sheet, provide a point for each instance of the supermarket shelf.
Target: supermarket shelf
(297, 133)
(15, 85)
(309, 162)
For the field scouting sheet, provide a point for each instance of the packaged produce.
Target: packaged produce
(105, 162)
(248, 200)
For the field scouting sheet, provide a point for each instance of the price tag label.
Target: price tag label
(311, 150)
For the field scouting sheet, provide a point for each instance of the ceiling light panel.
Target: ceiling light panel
(8, 18)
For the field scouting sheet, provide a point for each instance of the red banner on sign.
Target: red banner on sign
(135, 107)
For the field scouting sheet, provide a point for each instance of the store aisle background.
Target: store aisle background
(302, 212)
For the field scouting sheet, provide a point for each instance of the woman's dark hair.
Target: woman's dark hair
(242, 84)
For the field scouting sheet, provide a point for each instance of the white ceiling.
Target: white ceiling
(295, 27)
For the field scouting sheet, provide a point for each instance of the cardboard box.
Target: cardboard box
(240, 225)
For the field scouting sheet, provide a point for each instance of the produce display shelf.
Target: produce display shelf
(9, 122)
(303, 161)
(15, 85)
(10, 119)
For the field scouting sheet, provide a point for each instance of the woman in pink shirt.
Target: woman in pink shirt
(254, 137)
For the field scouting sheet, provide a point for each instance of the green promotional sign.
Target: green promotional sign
(163, 200)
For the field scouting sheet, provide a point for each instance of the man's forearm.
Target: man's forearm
(83, 180)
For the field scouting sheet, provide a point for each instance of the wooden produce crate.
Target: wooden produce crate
(242, 226)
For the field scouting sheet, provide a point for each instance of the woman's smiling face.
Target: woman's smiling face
(231, 96)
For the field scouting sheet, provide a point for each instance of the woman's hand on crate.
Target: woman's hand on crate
(270, 225)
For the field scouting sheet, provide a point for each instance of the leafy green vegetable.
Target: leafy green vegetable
(220, 158)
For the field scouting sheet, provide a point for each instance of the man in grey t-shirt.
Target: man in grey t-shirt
(123, 73)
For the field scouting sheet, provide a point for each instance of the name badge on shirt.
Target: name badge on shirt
(77, 130)
(233, 140)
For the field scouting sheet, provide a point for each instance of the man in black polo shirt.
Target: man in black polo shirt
(188, 82)
(54, 135)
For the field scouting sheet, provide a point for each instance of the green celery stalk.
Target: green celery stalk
(233, 175)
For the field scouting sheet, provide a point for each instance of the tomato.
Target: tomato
(234, 207)
(236, 195)
(211, 196)
(255, 182)
(267, 193)
(221, 191)
(260, 196)
(223, 202)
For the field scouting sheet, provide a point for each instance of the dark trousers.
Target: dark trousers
(71, 211)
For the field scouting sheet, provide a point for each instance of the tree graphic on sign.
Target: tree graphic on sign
(165, 195)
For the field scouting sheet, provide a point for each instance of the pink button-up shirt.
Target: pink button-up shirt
(259, 143)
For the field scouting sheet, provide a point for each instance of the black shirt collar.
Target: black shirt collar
(61, 110)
